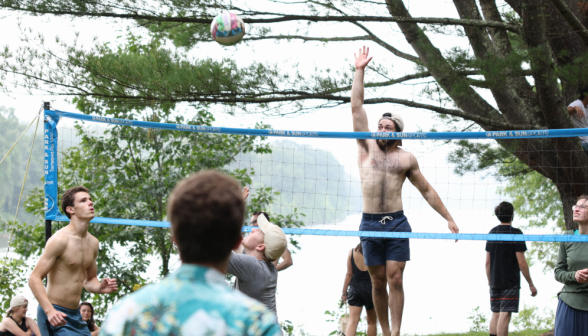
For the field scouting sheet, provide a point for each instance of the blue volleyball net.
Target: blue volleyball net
(309, 180)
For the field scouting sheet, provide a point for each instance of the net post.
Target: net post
(47, 230)
(47, 106)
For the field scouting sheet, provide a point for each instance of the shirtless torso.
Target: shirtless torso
(69, 261)
(75, 257)
(382, 176)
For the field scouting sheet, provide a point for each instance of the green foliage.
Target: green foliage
(471, 156)
(288, 328)
(479, 322)
(12, 277)
(130, 172)
(530, 319)
(334, 317)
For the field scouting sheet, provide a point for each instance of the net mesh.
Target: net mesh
(306, 183)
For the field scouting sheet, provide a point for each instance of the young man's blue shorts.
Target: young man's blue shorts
(377, 250)
(75, 326)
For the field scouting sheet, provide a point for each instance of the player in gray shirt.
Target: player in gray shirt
(256, 275)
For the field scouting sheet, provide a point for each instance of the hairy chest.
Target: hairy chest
(390, 163)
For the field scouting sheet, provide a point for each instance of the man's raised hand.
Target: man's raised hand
(452, 227)
(362, 60)
(108, 286)
(245, 193)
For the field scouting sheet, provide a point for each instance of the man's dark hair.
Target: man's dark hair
(504, 212)
(257, 213)
(583, 92)
(69, 198)
(206, 212)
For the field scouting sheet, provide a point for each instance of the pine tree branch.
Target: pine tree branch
(228, 99)
(387, 46)
(499, 125)
(572, 20)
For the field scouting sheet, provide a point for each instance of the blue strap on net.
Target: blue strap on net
(368, 234)
(558, 133)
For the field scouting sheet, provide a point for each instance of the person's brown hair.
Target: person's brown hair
(69, 196)
(257, 213)
(91, 323)
(206, 212)
(582, 197)
(359, 248)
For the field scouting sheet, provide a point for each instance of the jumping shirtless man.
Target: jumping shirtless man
(383, 168)
(69, 259)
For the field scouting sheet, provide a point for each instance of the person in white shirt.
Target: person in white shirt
(579, 115)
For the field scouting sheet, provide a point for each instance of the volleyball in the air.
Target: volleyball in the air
(227, 28)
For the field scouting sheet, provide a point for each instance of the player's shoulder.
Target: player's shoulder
(405, 152)
(93, 240)
(577, 103)
(213, 305)
(517, 230)
(58, 240)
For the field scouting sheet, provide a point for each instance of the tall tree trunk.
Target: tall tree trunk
(568, 200)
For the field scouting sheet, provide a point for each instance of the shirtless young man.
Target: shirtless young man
(69, 259)
(383, 168)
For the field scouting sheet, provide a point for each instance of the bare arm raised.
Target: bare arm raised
(53, 249)
(91, 283)
(360, 121)
(429, 193)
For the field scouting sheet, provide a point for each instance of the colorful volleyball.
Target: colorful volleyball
(227, 28)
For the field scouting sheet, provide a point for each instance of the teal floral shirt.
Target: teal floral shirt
(194, 300)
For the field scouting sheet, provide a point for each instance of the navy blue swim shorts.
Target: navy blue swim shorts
(377, 250)
(75, 325)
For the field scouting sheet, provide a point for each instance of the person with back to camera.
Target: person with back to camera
(357, 291)
(571, 317)
(16, 323)
(505, 261)
(87, 312)
(383, 169)
(206, 212)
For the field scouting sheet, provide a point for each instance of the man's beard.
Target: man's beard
(385, 144)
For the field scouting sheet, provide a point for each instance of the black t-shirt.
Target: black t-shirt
(504, 267)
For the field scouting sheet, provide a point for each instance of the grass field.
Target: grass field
(485, 333)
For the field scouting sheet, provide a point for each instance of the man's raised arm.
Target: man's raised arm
(360, 122)
(53, 250)
(429, 193)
